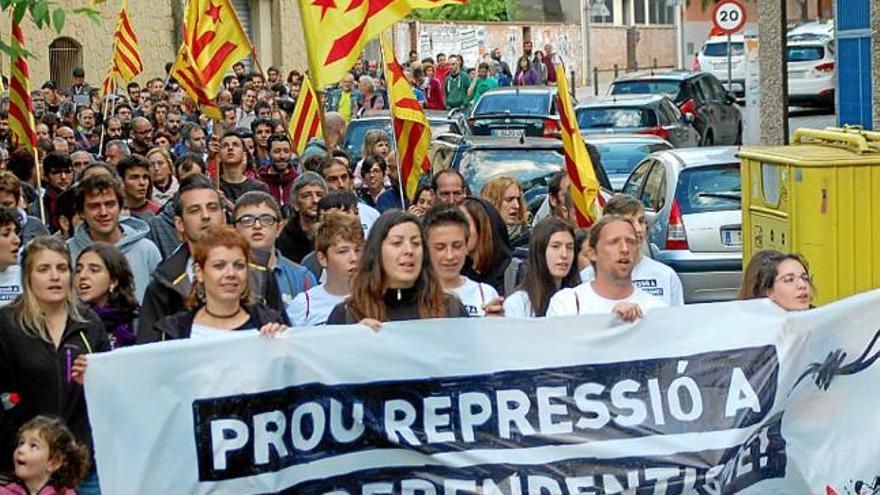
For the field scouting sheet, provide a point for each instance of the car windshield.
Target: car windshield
(805, 53)
(707, 189)
(615, 117)
(622, 158)
(523, 164)
(642, 87)
(720, 49)
(354, 135)
(516, 104)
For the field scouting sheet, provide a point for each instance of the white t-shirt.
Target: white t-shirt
(518, 305)
(652, 277)
(474, 295)
(206, 332)
(368, 215)
(10, 284)
(312, 307)
(583, 300)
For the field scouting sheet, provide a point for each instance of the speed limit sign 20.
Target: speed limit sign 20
(729, 16)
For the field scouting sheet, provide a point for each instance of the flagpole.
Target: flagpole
(322, 117)
(104, 126)
(393, 129)
(39, 184)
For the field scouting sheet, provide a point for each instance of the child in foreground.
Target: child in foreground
(48, 461)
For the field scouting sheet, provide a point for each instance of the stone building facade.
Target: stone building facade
(273, 26)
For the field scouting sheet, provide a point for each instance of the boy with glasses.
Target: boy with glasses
(58, 170)
(258, 219)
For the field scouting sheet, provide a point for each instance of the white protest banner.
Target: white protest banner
(712, 399)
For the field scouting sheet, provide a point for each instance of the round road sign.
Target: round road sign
(729, 16)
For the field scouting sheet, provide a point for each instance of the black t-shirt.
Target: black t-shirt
(235, 191)
(399, 305)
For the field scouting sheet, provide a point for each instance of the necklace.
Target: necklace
(221, 317)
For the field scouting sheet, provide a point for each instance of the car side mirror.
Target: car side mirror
(688, 118)
(650, 217)
(730, 98)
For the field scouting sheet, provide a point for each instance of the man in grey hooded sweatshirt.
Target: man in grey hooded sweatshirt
(99, 200)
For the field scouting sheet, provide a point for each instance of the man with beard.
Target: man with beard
(141, 136)
(172, 124)
(295, 240)
(613, 249)
(281, 172)
(85, 118)
(192, 140)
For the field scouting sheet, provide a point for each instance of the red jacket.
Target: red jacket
(434, 98)
(279, 185)
(16, 489)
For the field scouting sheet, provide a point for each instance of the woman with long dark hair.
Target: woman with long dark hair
(489, 251)
(525, 74)
(783, 278)
(104, 281)
(550, 267)
(42, 333)
(395, 280)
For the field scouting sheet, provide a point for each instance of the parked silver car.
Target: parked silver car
(692, 199)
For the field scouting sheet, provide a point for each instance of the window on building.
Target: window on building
(639, 11)
(660, 13)
(65, 54)
(602, 11)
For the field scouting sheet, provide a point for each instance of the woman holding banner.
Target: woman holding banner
(42, 333)
(783, 278)
(549, 268)
(219, 299)
(395, 280)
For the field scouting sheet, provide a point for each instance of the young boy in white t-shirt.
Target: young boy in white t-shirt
(446, 229)
(338, 243)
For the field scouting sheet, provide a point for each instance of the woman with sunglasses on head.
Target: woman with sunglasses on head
(783, 278)
(550, 267)
(395, 280)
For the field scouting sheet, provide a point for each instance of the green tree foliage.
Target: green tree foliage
(474, 10)
(43, 13)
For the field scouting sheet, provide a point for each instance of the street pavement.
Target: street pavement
(809, 117)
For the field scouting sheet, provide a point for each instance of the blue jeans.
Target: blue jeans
(90, 486)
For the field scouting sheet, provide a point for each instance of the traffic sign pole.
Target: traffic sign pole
(729, 64)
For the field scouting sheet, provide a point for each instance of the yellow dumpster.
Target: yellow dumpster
(819, 197)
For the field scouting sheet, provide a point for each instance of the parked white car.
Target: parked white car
(713, 59)
(811, 71)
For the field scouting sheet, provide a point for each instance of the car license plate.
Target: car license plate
(508, 132)
(731, 237)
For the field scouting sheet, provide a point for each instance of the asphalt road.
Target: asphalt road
(809, 117)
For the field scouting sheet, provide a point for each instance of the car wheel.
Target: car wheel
(739, 135)
(709, 139)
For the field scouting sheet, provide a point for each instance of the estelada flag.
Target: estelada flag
(411, 128)
(305, 123)
(21, 107)
(213, 40)
(584, 184)
(336, 33)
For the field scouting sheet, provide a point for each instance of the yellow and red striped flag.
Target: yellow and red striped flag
(127, 61)
(109, 86)
(584, 184)
(411, 128)
(336, 36)
(305, 123)
(21, 107)
(213, 40)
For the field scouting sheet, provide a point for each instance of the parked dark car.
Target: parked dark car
(516, 111)
(621, 153)
(638, 114)
(531, 161)
(716, 115)
(440, 122)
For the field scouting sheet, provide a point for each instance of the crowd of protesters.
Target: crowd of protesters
(150, 222)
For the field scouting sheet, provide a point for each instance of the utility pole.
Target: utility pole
(774, 73)
(586, 13)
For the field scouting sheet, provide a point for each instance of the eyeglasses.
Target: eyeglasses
(791, 278)
(265, 220)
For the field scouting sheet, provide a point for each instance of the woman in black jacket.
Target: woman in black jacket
(42, 332)
(220, 298)
(395, 280)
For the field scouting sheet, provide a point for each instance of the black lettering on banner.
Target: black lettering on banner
(707, 472)
(246, 435)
